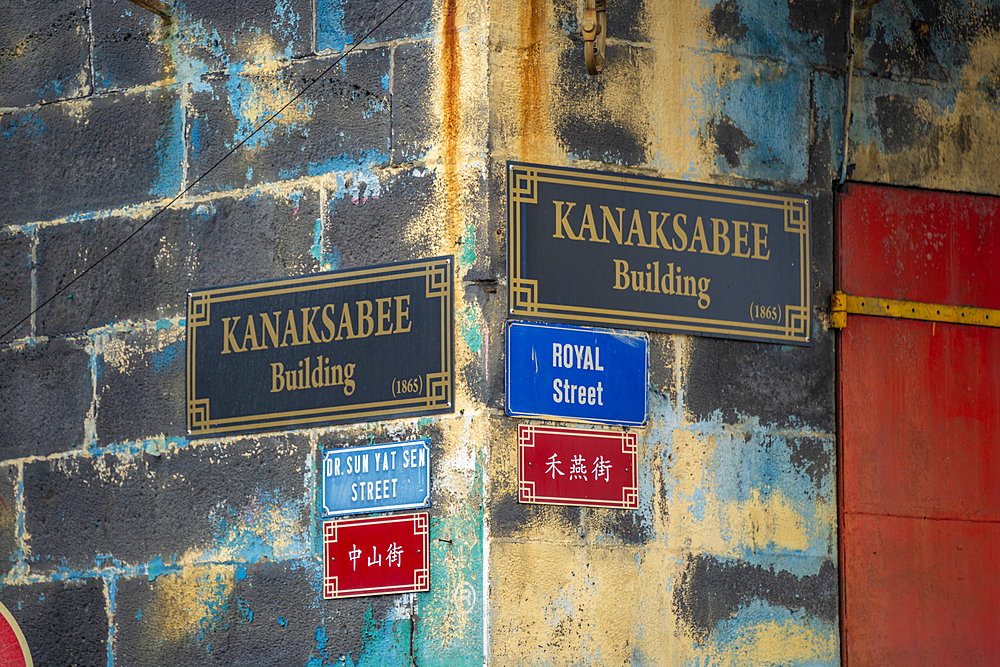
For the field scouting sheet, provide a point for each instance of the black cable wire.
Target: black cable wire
(183, 192)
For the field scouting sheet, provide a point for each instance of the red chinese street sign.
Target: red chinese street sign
(13, 647)
(376, 556)
(569, 466)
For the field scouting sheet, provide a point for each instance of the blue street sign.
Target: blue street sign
(577, 373)
(376, 478)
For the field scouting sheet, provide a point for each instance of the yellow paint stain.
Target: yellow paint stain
(451, 117)
(524, 62)
(533, 80)
(700, 521)
(460, 443)
(6, 517)
(543, 523)
(188, 603)
(695, 518)
(680, 71)
(656, 632)
(122, 354)
(958, 150)
(560, 604)
(266, 94)
(766, 523)
(77, 109)
(264, 527)
(774, 643)
(464, 356)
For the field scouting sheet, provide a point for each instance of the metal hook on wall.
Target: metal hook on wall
(156, 6)
(595, 29)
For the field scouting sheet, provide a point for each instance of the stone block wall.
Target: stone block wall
(246, 142)
(125, 541)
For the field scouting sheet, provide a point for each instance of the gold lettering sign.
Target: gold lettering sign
(355, 345)
(642, 253)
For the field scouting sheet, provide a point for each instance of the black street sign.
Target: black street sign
(356, 345)
(641, 253)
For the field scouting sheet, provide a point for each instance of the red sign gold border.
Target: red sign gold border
(385, 555)
(13, 646)
(548, 455)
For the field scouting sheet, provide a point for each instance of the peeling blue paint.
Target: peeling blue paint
(169, 358)
(195, 134)
(468, 320)
(468, 256)
(384, 642)
(769, 33)
(203, 211)
(243, 93)
(170, 154)
(753, 462)
(156, 568)
(463, 556)
(19, 557)
(29, 124)
(330, 33)
(321, 642)
(247, 534)
(244, 610)
(287, 24)
(216, 604)
(111, 584)
(84, 216)
(195, 35)
(734, 634)
(358, 165)
(328, 261)
(769, 104)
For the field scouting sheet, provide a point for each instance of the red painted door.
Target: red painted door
(919, 432)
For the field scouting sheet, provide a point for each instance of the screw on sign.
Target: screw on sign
(13, 647)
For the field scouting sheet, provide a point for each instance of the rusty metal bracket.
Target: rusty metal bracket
(595, 30)
(841, 304)
(156, 6)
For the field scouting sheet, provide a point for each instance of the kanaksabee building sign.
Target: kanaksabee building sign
(356, 345)
(641, 253)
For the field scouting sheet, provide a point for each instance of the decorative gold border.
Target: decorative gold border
(438, 273)
(524, 295)
(526, 488)
(522, 184)
(198, 414)
(421, 575)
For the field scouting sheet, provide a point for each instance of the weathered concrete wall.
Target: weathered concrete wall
(731, 558)
(128, 543)
(925, 102)
(125, 542)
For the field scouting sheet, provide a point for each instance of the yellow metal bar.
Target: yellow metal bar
(841, 304)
